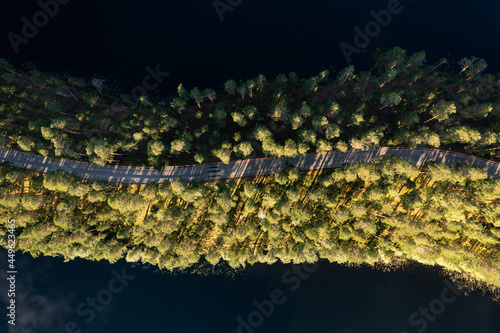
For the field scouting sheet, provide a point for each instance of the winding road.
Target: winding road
(237, 169)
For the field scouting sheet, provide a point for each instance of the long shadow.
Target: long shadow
(238, 169)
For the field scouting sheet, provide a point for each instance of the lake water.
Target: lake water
(117, 40)
(322, 298)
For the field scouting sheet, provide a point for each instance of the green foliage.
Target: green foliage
(25, 143)
(442, 110)
(230, 87)
(358, 213)
(463, 134)
(361, 204)
(155, 148)
(390, 99)
(290, 149)
(210, 94)
(58, 181)
(77, 82)
(250, 189)
(323, 146)
(182, 92)
(78, 189)
(415, 107)
(32, 202)
(182, 144)
(345, 74)
(126, 203)
(95, 196)
(100, 151)
(244, 149)
(239, 118)
(223, 152)
(198, 96)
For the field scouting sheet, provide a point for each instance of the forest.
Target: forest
(366, 213)
(400, 102)
(378, 213)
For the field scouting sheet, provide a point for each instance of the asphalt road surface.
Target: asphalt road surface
(237, 169)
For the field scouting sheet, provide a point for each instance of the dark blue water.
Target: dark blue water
(117, 40)
(327, 298)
